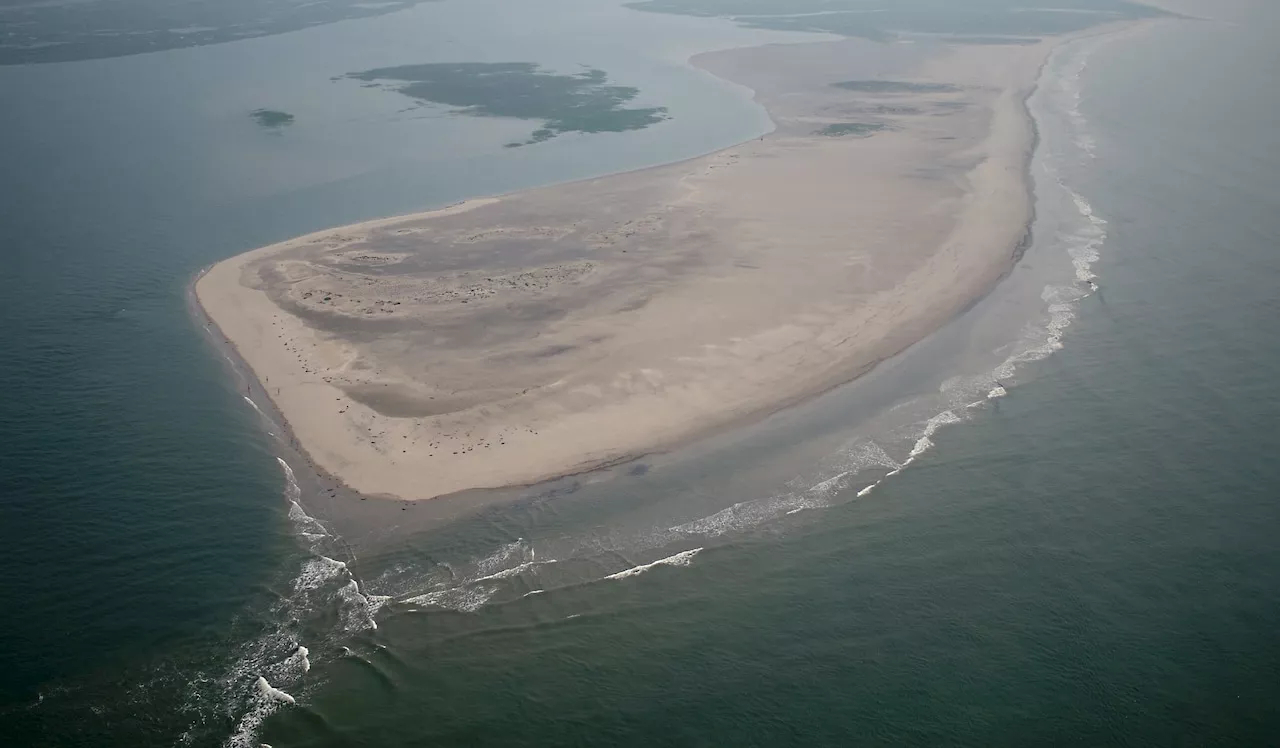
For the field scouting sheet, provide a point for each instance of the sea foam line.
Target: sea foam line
(470, 585)
(466, 599)
(683, 558)
(1082, 246)
(322, 585)
(1060, 311)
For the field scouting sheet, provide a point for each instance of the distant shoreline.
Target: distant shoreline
(226, 303)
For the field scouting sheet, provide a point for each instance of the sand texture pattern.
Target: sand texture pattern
(513, 339)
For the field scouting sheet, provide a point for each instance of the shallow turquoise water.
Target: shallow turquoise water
(1086, 560)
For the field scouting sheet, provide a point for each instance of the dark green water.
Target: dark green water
(1086, 560)
(148, 556)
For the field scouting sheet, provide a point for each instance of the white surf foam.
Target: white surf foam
(1066, 92)
(828, 486)
(271, 692)
(458, 585)
(806, 493)
(308, 527)
(924, 442)
(242, 687)
(471, 586)
(304, 663)
(740, 516)
(268, 700)
(683, 558)
(1083, 246)
(1081, 242)
(246, 730)
(317, 572)
(354, 609)
(292, 492)
(512, 572)
(466, 599)
(322, 590)
(498, 560)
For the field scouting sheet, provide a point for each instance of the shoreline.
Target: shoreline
(814, 388)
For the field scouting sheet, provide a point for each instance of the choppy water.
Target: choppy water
(1067, 539)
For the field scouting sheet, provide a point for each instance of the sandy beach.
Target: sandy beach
(509, 340)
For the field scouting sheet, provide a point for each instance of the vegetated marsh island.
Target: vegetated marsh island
(582, 102)
(273, 119)
(509, 340)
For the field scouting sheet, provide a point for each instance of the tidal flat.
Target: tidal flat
(861, 129)
(895, 87)
(516, 339)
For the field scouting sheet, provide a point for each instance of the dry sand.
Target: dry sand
(509, 340)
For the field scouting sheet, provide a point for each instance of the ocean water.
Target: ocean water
(1051, 522)
(149, 554)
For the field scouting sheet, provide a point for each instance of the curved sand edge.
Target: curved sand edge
(844, 305)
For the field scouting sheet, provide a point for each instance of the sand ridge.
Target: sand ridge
(509, 340)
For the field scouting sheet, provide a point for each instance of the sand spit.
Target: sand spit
(509, 340)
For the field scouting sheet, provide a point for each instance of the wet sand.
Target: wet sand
(510, 340)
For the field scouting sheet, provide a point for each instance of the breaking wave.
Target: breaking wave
(321, 603)
(683, 558)
(271, 692)
(1079, 239)
(467, 598)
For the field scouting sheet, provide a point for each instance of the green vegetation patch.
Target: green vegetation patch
(582, 102)
(859, 129)
(895, 87)
(271, 118)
